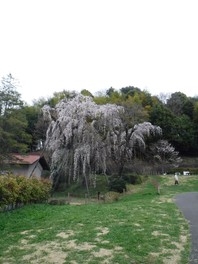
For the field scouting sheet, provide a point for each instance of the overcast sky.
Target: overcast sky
(51, 45)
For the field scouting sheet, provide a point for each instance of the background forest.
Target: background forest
(23, 127)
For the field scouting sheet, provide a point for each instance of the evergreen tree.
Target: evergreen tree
(13, 123)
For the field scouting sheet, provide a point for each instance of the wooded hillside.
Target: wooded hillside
(23, 127)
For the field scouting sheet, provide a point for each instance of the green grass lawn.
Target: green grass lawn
(142, 227)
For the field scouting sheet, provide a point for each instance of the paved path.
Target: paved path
(188, 204)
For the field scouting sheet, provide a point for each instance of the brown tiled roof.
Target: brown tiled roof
(25, 159)
(29, 159)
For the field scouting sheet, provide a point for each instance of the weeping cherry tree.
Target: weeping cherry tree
(84, 139)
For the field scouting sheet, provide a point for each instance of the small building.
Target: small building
(33, 164)
(186, 173)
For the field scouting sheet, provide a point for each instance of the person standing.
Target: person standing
(176, 179)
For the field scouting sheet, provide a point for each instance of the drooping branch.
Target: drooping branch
(83, 138)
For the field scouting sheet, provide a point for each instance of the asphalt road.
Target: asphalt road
(188, 204)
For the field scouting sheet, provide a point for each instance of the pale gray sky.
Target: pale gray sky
(51, 45)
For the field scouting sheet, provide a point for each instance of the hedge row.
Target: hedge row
(22, 190)
(193, 171)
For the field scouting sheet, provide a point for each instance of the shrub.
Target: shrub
(112, 196)
(9, 190)
(19, 189)
(24, 189)
(117, 184)
(134, 178)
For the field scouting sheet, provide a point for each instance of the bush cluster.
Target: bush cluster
(117, 185)
(135, 178)
(22, 190)
(193, 171)
(112, 196)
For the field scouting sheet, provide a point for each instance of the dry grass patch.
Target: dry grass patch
(174, 254)
(65, 235)
(48, 253)
(103, 231)
(58, 252)
(103, 253)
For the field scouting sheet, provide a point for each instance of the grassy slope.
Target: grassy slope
(142, 227)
